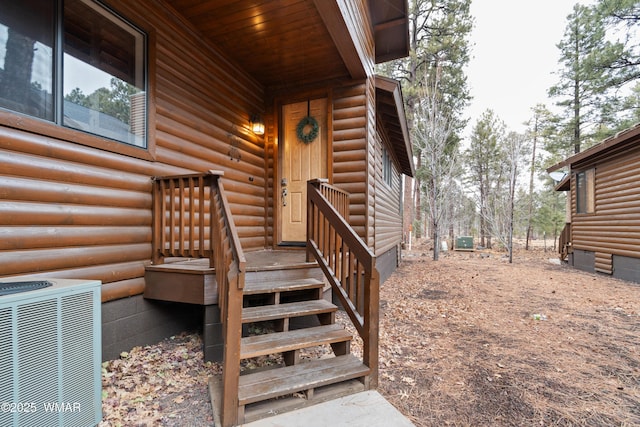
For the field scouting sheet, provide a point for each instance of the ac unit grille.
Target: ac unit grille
(6, 363)
(37, 359)
(77, 343)
(50, 354)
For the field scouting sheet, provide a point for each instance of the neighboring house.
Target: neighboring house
(602, 233)
(76, 199)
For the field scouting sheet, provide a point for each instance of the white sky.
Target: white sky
(513, 56)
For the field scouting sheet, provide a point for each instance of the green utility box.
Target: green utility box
(464, 243)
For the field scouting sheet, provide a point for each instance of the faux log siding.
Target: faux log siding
(350, 150)
(614, 228)
(372, 163)
(271, 151)
(388, 219)
(69, 210)
(354, 126)
(62, 209)
(356, 12)
(203, 107)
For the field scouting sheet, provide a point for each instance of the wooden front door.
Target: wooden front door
(301, 161)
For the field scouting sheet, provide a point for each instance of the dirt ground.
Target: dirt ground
(469, 340)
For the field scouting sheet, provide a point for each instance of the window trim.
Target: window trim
(589, 176)
(387, 167)
(57, 130)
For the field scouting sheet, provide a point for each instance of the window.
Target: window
(26, 57)
(585, 191)
(78, 65)
(387, 167)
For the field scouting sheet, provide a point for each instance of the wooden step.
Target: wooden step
(285, 311)
(272, 286)
(305, 376)
(268, 408)
(279, 342)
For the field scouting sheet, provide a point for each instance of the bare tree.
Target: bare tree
(513, 150)
(438, 163)
(485, 167)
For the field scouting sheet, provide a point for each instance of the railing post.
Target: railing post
(157, 256)
(313, 184)
(372, 319)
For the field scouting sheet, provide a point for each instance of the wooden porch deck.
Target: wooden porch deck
(197, 277)
(275, 259)
(261, 260)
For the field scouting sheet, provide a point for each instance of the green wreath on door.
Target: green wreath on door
(307, 129)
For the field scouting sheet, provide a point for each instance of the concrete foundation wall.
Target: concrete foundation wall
(387, 263)
(584, 260)
(626, 268)
(136, 321)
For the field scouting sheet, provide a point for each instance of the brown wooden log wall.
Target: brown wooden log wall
(357, 12)
(271, 152)
(388, 215)
(372, 163)
(614, 228)
(70, 210)
(350, 156)
(353, 127)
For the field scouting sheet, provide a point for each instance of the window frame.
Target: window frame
(585, 193)
(387, 167)
(56, 129)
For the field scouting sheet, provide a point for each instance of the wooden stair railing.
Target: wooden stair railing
(181, 218)
(192, 218)
(347, 263)
(564, 242)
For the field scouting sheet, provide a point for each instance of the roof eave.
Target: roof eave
(391, 29)
(621, 138)
(565, 184)
(402, 146)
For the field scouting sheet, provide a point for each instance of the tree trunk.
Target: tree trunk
(18, 63)
(576, 103)
(436, 243)
(418, 201)
(407, 210)
(533, 168)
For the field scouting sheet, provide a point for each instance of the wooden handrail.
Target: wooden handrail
(181, 217)
(347, 263)
(192, 218)
(230, 275)
(564, 242)
(337, 197)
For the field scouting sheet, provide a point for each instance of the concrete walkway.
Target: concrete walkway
(364, 409)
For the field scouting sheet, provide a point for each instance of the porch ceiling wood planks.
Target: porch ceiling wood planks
(276, 41)
(294, 42)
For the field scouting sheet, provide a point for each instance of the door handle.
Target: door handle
(284, 196)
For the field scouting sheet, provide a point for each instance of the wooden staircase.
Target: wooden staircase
(286, 306)
(192, 220)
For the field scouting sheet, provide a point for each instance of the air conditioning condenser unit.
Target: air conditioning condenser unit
(50, 353)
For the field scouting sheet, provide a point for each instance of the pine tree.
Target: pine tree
(484, 161)
(581, 86)
(439, 50)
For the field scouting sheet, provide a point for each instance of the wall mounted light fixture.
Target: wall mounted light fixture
(257, 124)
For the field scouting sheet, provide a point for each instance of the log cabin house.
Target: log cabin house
(213, 162)
(602, 232)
